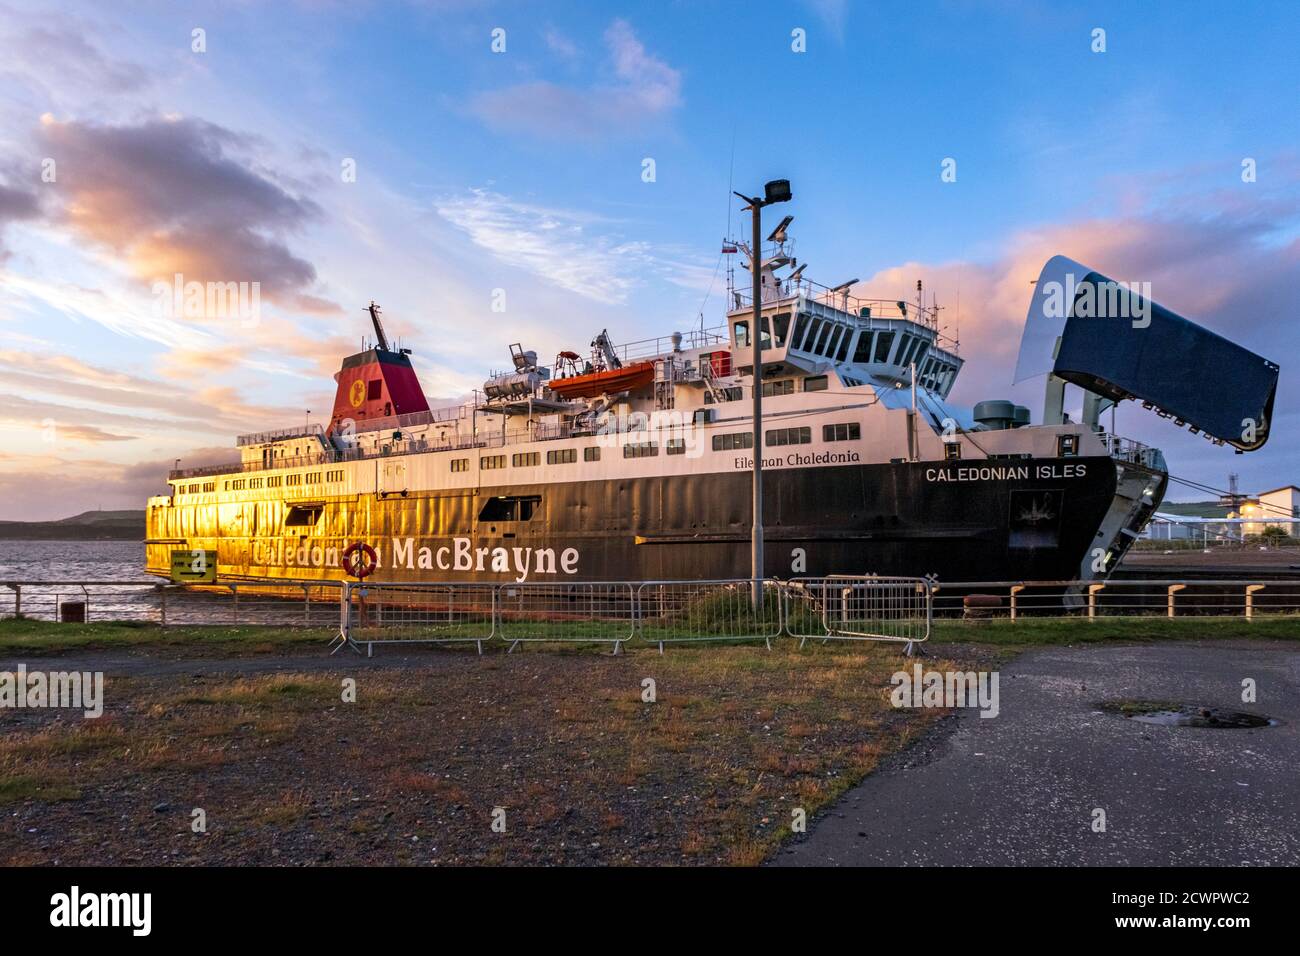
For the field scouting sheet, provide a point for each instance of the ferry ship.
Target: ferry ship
(634, 462)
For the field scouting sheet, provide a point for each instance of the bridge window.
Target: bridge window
(815, 383)
(814, 330)
(741, 330)
(863, 351)
(784, 387)
(834, 340)
(820, 346)
(844, 346)
(884, 344)
(781, 327)
(800, 327)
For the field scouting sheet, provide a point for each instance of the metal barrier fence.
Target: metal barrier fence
(656, 613)
(417, 613)
(695, 612)
(602, 612)
(859, 608)
(1165, 598)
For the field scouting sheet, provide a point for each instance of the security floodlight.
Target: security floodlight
(778, 190)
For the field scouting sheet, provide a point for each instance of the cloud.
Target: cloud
(554, 244)
(45, 487)
(173, 195)
(568, 248)
(833, 13)
(644, 87)
(89, 433)
(559, 44)
(85, 394)
(54, 48)
(15, 205)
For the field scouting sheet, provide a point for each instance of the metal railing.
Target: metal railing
(1187, 597)
(281, 603)
(665, 344)
(282, 434)
(1134, 452)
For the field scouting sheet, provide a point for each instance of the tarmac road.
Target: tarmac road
(1021, 788)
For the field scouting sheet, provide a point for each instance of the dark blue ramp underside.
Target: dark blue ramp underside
(1182, 369)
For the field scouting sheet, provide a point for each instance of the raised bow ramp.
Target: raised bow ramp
(1112, 339)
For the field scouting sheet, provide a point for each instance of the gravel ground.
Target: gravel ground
(587, 772)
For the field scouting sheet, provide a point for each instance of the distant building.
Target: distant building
(1272, 508)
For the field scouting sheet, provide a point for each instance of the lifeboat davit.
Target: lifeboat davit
(624, 379)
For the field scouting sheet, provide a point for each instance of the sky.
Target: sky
(493, 172)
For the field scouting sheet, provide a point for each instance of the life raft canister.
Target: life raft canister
(360, 560)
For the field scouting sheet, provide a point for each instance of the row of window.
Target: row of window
(730, 441)
(528, 459)
(275, 481)
(831, 340)
(776, 437)
(785, 386)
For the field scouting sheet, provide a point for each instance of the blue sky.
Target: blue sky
(522, 171)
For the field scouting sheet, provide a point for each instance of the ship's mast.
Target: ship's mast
(380, 338)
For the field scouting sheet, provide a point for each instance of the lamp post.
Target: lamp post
(778, 190)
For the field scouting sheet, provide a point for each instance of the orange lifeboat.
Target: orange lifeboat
(591, 384)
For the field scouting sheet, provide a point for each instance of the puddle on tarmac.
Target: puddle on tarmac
(1167, 714)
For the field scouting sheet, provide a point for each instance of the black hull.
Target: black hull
(962, 521)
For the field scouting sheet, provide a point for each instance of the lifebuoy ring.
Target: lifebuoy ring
(359, 560)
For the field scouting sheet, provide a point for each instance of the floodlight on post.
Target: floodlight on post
(776, 191)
